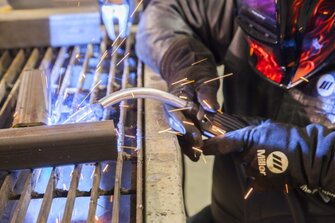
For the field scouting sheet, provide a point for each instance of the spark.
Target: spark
(65, 93)
(102, 58)
(205, 116)
(77, 56)
(188, 82)
(217, 129)
(129, 136)
(132, 94)
(98, 69)
(64, 187)
(218, 78)
(96, 85)
(117, 38)
(200, 61)
(138, 5)
(117, 132)
(207, 104)
(220, 111)
(304, 79)
(286, 188)
(125, 106)
(183, 97)
(83, 75)
(106, 168)
(118, 47)
(111, 199)
(177, 82)
(204, 159)
(188, 123)
(165, 130)
(249, 192)
(123, 58)
(180, 109)
(197, 149)
(175, 133)
(251, 52)
(128, 147)
(96, 218)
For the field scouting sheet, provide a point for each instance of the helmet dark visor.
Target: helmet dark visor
(289, 40)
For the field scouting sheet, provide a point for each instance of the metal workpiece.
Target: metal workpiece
(44, 146)
(147, 93)
(32, 108)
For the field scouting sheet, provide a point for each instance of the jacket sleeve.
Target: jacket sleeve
(208, 21)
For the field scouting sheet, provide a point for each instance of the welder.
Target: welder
(281, 167)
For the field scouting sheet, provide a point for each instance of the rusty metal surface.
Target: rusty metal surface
(32, 107)
(45, 146)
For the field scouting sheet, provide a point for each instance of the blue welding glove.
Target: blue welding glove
(186, 66)
(278, 154)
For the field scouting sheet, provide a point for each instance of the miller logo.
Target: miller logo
(277, 162)
(326, 85)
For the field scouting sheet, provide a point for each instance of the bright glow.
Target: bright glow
(112, 13)
(88, 113)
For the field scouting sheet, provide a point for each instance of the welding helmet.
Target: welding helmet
(289, 40)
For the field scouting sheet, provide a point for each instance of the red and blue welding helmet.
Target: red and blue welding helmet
(290, 40)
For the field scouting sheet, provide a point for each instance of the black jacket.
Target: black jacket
(212, 23)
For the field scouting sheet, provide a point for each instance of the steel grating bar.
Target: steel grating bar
(71, 197)
(96, 83)
(31, 63)
(119, 163)
(97, 74)
(82, 77)
(56, 70)
(67, 77)
(14, 69)
(8, 80)
(139, 148)
(55, 62)
(48, 197)
(9, 104)
(4, 62)
(5, 191)
(47, 61)
(25, 198)
(94, 193)
(111, 78)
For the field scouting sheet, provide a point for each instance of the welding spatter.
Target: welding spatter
(210, 124)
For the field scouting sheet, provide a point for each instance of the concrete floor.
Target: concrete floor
(198, 183)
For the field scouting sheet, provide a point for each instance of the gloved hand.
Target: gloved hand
(186, 66)
(269, 151)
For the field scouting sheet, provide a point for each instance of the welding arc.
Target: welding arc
(44, 146)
